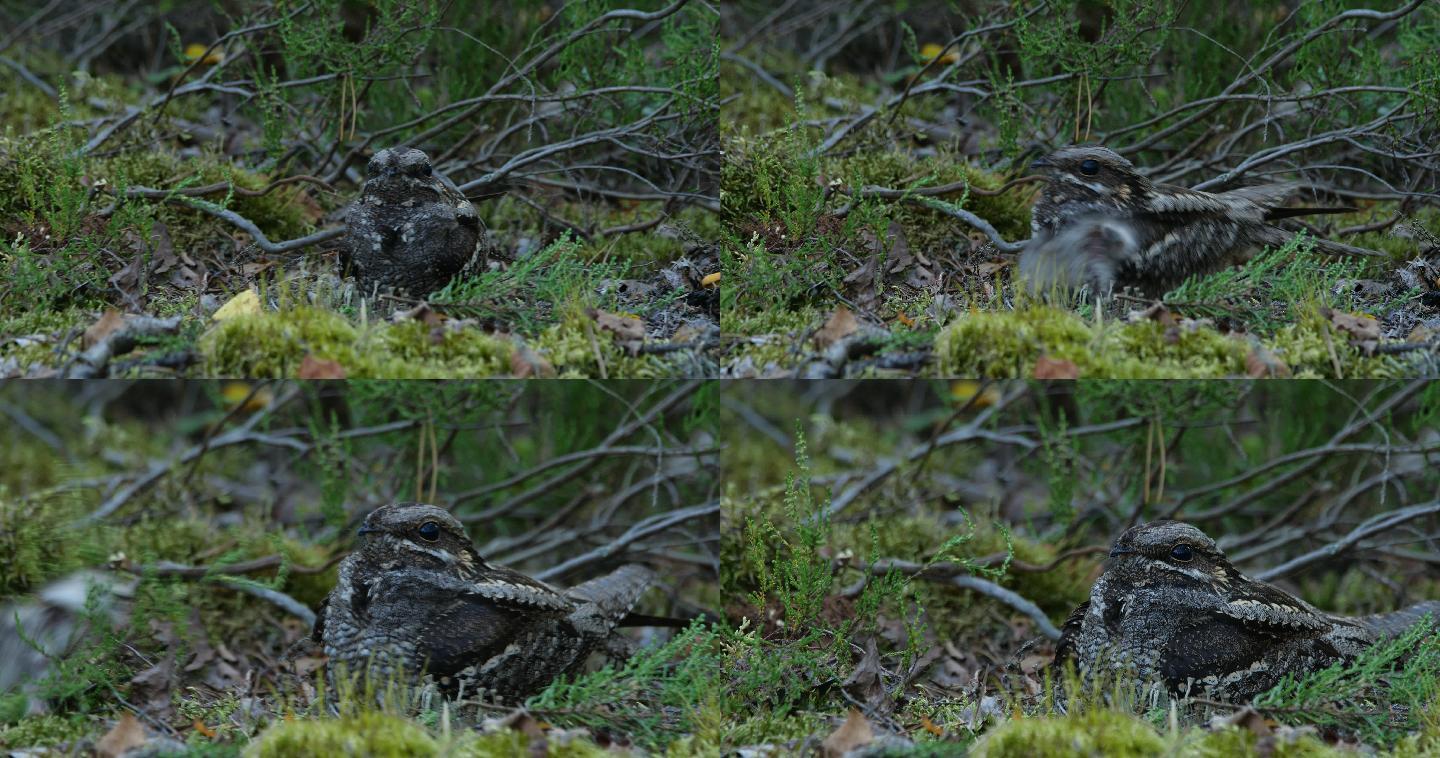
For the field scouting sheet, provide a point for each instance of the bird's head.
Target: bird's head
(416, 534)
(401, 169)
(1173, 547)
(1088, 170)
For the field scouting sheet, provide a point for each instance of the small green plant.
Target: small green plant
(1383, 695)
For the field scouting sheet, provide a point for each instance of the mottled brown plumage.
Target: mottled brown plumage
(411, 231)
(415, 596)
(1171, 233)
(1170, 609)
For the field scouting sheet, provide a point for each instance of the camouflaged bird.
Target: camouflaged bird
(411, 230)
(1169, 608)
(1171, 233)
(416, 596)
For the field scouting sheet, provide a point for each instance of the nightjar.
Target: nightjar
(1176, 232)
(1170, 609)
(415, 597)
(411, 230)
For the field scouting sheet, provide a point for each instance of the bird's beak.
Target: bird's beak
(366, 529)
(1040, 163)
(1119, 550)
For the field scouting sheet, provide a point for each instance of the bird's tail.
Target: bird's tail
(1397, 622)
(1275, 214)
(1274, 236)
(605, 600)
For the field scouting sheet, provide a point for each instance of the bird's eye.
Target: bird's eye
(1090, 167)
(1182, 553)
(426, 170)
(429, 531)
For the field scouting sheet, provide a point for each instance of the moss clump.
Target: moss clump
(272, 345)
(371, 733)
(1236, 741)
(379, 734)
(43, 731)
(1008, 345)
(1098, 732)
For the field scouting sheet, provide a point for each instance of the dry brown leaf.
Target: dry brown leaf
(841, 324)
(1055, 368)
(163, 259)
(528, 364)
(1358, 327)
(109, 323)
(623, 327)
(127, 734)
(320, 368)
(866, 683)
(1261, 363)
(856, 732)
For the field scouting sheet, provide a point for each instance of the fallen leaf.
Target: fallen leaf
(163, 258)
(865, 683)
(1261, 363)
(247, 303)
(930, 726)
(841, 324)
(856, 732)
(205, 730)
(710, 280)
(109, 323)
(127, 734)
(1358, 327)
(130, 280)
(623, 327)
(1055, 368)
(320, 368)
(525, 363)
(906, 320)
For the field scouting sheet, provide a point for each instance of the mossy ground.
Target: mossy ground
(72, 246)
(206, 662)
(1017, 515)
(803, 241)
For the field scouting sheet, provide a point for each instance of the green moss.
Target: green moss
(1097, 732)
(372, 733)
(43, 731)
(1231, 741)
(1008, 344)
(272, 345)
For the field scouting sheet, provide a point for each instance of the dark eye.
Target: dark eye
(1090, 167)
(429, 531)
(1181, 553)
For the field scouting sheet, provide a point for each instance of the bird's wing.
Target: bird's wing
(1178, 201)
(604, 600)
(1216, 643)
(1065, 648)
(470, 621)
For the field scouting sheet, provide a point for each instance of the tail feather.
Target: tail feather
(1398, 622)
(1274, 236)
(1275, 214)
(605, 600)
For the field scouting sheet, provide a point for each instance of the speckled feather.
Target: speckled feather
(1173, 232)
(403, 602)
(411, 231)
(1201, 626)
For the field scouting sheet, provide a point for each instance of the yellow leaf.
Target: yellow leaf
(195, 50)
(710, 280)
(906, 320)
(246, 303)
(930, 50)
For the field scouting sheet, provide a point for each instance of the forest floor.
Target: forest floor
(167, 215)
(875, 208)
